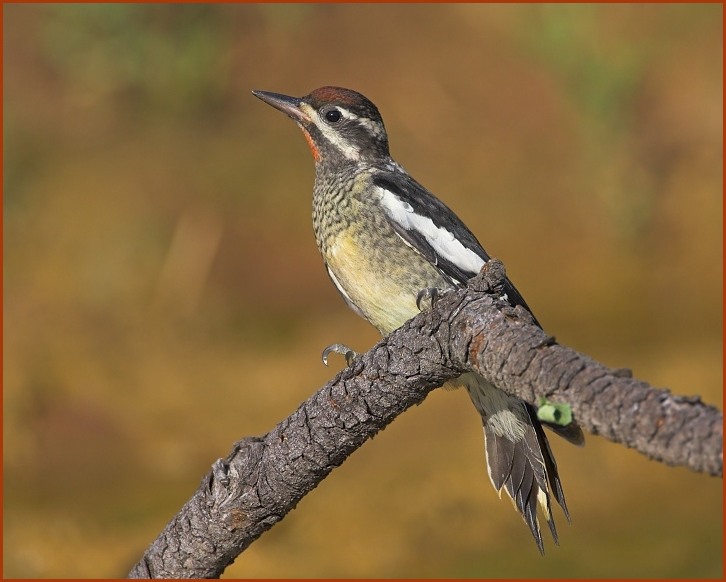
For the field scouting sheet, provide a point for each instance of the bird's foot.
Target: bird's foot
(341, 349)
(426, 298)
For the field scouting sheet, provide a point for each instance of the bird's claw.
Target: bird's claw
(427, 297)
(341, 349)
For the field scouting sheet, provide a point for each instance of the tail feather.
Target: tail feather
(549, 459)
(519, 459)
(522, 470)
(572, 433)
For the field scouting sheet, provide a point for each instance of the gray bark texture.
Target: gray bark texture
(263, 478)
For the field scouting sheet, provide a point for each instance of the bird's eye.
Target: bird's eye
(333, 116)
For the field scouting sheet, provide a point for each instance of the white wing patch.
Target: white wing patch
(441, 240)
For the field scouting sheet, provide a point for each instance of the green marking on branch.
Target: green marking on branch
(553, 412)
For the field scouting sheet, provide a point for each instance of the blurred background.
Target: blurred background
(163, 295)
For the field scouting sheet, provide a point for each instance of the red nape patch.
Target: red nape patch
(311, 143)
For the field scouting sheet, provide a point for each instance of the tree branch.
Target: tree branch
(264, 478)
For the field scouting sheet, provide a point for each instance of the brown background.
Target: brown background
(164, 296)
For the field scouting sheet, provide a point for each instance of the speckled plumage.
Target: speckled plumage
(384, 238)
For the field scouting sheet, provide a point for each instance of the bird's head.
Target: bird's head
(339, 124)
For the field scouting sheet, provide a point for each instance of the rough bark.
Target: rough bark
(263, 478)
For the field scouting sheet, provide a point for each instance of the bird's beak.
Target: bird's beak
(290, 106)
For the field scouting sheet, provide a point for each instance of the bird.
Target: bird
(386, 242)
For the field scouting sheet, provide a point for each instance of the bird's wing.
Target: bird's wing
(429, 227)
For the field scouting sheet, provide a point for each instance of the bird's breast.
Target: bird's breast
(379, 274)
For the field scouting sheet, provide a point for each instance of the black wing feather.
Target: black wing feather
(426, 204)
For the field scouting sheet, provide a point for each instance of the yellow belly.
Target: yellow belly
(378, 279)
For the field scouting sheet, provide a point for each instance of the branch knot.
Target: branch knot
(490, 278)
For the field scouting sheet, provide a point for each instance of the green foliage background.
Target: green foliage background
(164, 297)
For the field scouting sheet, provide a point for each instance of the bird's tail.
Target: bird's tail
(519, 459)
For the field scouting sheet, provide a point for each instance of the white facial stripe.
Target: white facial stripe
(441, 240)
(373, 127)
(309, 111)
(330, 134)
(334, 137)
(345, 147)
(348, 114)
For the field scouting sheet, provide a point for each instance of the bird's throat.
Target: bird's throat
(313, 148)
